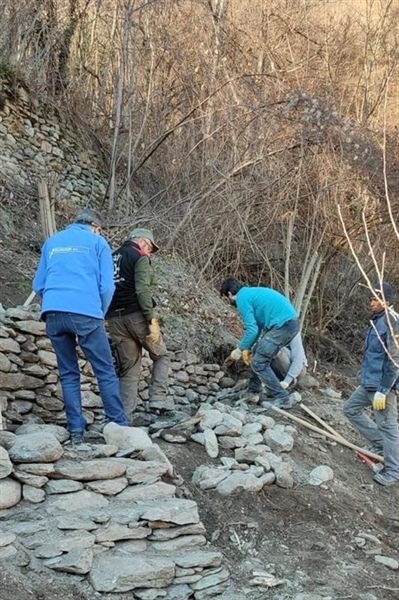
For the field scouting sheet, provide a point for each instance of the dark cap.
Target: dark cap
(89, 216)
(384, 290)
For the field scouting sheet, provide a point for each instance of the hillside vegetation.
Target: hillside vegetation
(234, 128)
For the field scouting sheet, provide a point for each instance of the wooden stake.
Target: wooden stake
(340, 440)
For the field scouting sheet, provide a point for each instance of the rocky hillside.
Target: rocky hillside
(209, 497)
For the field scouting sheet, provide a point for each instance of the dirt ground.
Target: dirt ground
(305, 535)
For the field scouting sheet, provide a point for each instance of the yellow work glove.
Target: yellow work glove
(155, 331)
(247, 357)
(379, 401)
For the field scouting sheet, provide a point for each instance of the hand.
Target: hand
(235, 355)
(284, 384)
(155, 331)
(379, 401)
(247, 357)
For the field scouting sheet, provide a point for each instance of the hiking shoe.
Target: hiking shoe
(75, 439)
(284, 403)
(385, 478)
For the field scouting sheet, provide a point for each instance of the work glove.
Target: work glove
(284, 384)
(247, 357)
(379, 401)
(155, 331)
(235, 355)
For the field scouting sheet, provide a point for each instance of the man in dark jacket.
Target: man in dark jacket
(132, 323)
(74, 280)
(380, 370)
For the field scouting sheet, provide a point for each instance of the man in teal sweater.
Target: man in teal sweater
(270, 323)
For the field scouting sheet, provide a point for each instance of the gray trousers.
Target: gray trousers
(129, 335)
(384, 431)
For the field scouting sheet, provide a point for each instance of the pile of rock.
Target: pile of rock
(29, 381)
(104, 513)
(258, 444)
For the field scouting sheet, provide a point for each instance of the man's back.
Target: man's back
(75, 272)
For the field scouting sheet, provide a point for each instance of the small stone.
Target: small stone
(10, 493)
(279, 440)
(391, 563)
(5, 463)
(238, 482)
(321, 475)
(33, 494)
(211, 443)
(6, 538)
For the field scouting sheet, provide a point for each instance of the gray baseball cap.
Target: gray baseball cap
(144, 233)
(89, 216)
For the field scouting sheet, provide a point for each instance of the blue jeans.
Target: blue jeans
(65, 330)
(268, 346)
(383, 432)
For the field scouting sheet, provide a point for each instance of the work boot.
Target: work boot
(76, 439)
(384, 478)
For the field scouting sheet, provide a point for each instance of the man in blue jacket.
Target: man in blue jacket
(380, 370)
(75, 281)
(270, 322)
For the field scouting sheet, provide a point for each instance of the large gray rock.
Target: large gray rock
(9, 345)
(110, 487)
(147, 492)
(155, 453)
(320, 475)
(30, 326)
(173, 510)
(192, 559)
(5, 363)
(10, 493)
(19, 381)
(47, 358)
(118, 573)
(76, 501)
(211, 419)
(141, 471)
(89, 470)
(78, 561)
(63, 486)
(5, 463)
(57, 431)
(115, 532)
(239, 482)
(207, 478)
(211, 443)
(229, 426)
(279, 440)
(36, 447)
(126, 437)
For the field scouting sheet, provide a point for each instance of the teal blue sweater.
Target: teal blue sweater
(262, 308)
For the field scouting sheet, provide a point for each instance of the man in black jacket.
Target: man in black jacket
(131, 321)
(380, 371)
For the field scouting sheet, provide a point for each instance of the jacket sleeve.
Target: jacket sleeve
(390, 372)
(106, 282)
(297, 359)
(39, 281)
(250, 325)
(142, 279)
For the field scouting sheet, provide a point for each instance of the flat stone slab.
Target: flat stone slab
(76, 501)
(89, 470)
(36, 447)
(147, 492)
(174, 510)
(117, 573)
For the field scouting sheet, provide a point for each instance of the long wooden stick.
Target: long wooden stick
(322, 423)
(341, 441)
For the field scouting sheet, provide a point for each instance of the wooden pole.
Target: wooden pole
(322, 423)
(340, 440)
(47, 217)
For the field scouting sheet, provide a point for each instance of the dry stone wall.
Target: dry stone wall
(35, 144)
